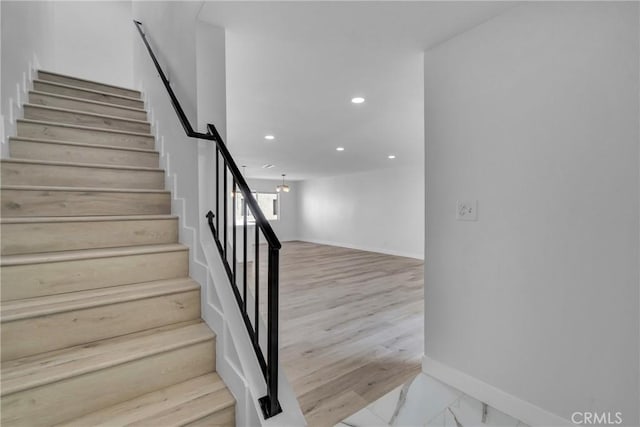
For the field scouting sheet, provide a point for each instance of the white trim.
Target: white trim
(509, 404)
(363, 248)
(14, 107)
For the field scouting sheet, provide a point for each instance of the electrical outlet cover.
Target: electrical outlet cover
(467, 210)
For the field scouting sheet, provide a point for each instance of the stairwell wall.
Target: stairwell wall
(535, 113)
(25, 45)
(171, 31)
(83, 39)
(92, 40)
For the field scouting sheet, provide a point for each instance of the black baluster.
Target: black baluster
(233, 195)
(272, 328)
(244, 254)
(224, 206)
(257, 283)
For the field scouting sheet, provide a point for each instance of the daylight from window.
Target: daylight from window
(268, 203)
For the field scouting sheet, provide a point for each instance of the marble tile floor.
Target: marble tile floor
(426, 402)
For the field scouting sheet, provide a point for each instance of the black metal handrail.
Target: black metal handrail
(269, 403)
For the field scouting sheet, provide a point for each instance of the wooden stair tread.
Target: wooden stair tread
(84, 113)
(44, 219)
(9, 260)
(33, 371)
(191, 411)
(50, 304)
(81, 189)
(79, 144)
(191, 400)
(94, 94)
(79, 165)
(51, 82)
(81, 79)
(88, 101)
(91, 128)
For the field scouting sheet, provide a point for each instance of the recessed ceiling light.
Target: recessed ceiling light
(340, 149)
(268, 166)
(391, 156)
(357, 100)
(269, 137)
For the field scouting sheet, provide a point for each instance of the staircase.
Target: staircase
(100, 322)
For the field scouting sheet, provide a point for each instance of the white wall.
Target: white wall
(176, 36)
(21, 52)
(93, 40)
(380, 211)
(90, 40)
(211, 77)
(172, 30)
(535, 114)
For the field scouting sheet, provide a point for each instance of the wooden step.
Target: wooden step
(70, 103)
(52, 273)
(88, 84)
(51, 234)
(24, 201)
(37, 325)
(92, 95)
(63, 174)
(223, 418)
(80, 118)
(181, 404)
(59, 386)
(87, 135)
(73, 152)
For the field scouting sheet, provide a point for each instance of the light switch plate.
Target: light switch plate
(467, 210)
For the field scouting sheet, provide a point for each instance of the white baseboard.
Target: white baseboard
(364, 248)
(499, 399)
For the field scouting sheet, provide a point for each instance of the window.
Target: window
(268, 203)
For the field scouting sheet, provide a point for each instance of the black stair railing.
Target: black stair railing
(269, 365)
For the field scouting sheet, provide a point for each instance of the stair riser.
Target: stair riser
(85, 136)
(75, 104)
(91, 96)
(194, 411)
(23, 203)
(80, 119)
(175, 399)
(67, 236)
(75, 154)
(77, 176)
(67, 399)
(34, 280)
(43, 75)
(226, 417)
(61, 330)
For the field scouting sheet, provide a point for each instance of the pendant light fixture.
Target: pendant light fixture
(284, 187)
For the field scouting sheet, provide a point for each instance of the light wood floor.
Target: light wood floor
(351, 326)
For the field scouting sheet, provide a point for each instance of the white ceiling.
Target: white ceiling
(293, 67)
